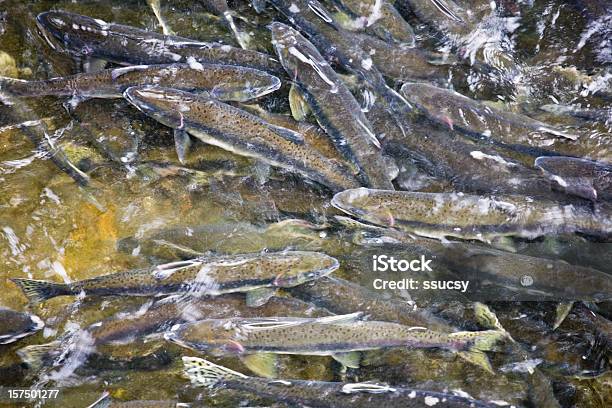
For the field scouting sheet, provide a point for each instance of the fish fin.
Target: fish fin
(350, 359)
(476, 343)
(259, 297)
(488, 319)
(263, 364)
(117, 72)
(180, 251)
(155, 7)
(38, 290)
(35, 355)
(340, 319)
(504, 243)
(556, 132)
(288, 134)
(182, 143)
(561, 313)
(478, 358)
(166, 270)
(298, 105)
(103, 402)
(90, 64)
(445, 9)
(367, 387)
(204, 373)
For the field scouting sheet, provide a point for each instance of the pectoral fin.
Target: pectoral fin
(263, 364)
(182, 142)
(478, 358)
(562, 311)
(259, 297)
(298, 105)
(350, 359)
(90, 64)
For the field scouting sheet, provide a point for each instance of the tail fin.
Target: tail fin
(103, 402)
(38, 291)
(35, 355)
(475, 343)
(13, 86)
(206, 374)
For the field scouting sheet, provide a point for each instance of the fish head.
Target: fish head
(303, 267)
(210, 335)
(294, 51)
(370, 205)
(167, 106)
(77, 34)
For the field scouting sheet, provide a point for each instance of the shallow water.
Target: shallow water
(51, 228)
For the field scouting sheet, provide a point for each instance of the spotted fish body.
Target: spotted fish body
(323, 394)
(240, 132)
(84, 36)
(16, 325)
(322, 336)
(440, 215)
(332, 103)
(200, 276)
(224, 82)
(462, 113)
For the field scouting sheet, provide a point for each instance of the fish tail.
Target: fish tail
(206, 374)
(38, 290)
(14, 86)
(35, 355)
(474, 344)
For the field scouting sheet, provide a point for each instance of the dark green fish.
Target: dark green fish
(588, 114)
(552, 279)
(405, 64)
(337, 336)
(240, 132)
(341, 296)
(227, 238)
(339, 47)
(462, 113)
(448, 156)
(323, 394)
(581, 177)
(224, 82)
(16, 325)
(214, 275)
(83, 36)
(378, 17)
(332, 103)
(440, 215)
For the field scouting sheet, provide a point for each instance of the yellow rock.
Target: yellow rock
(8, 67)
